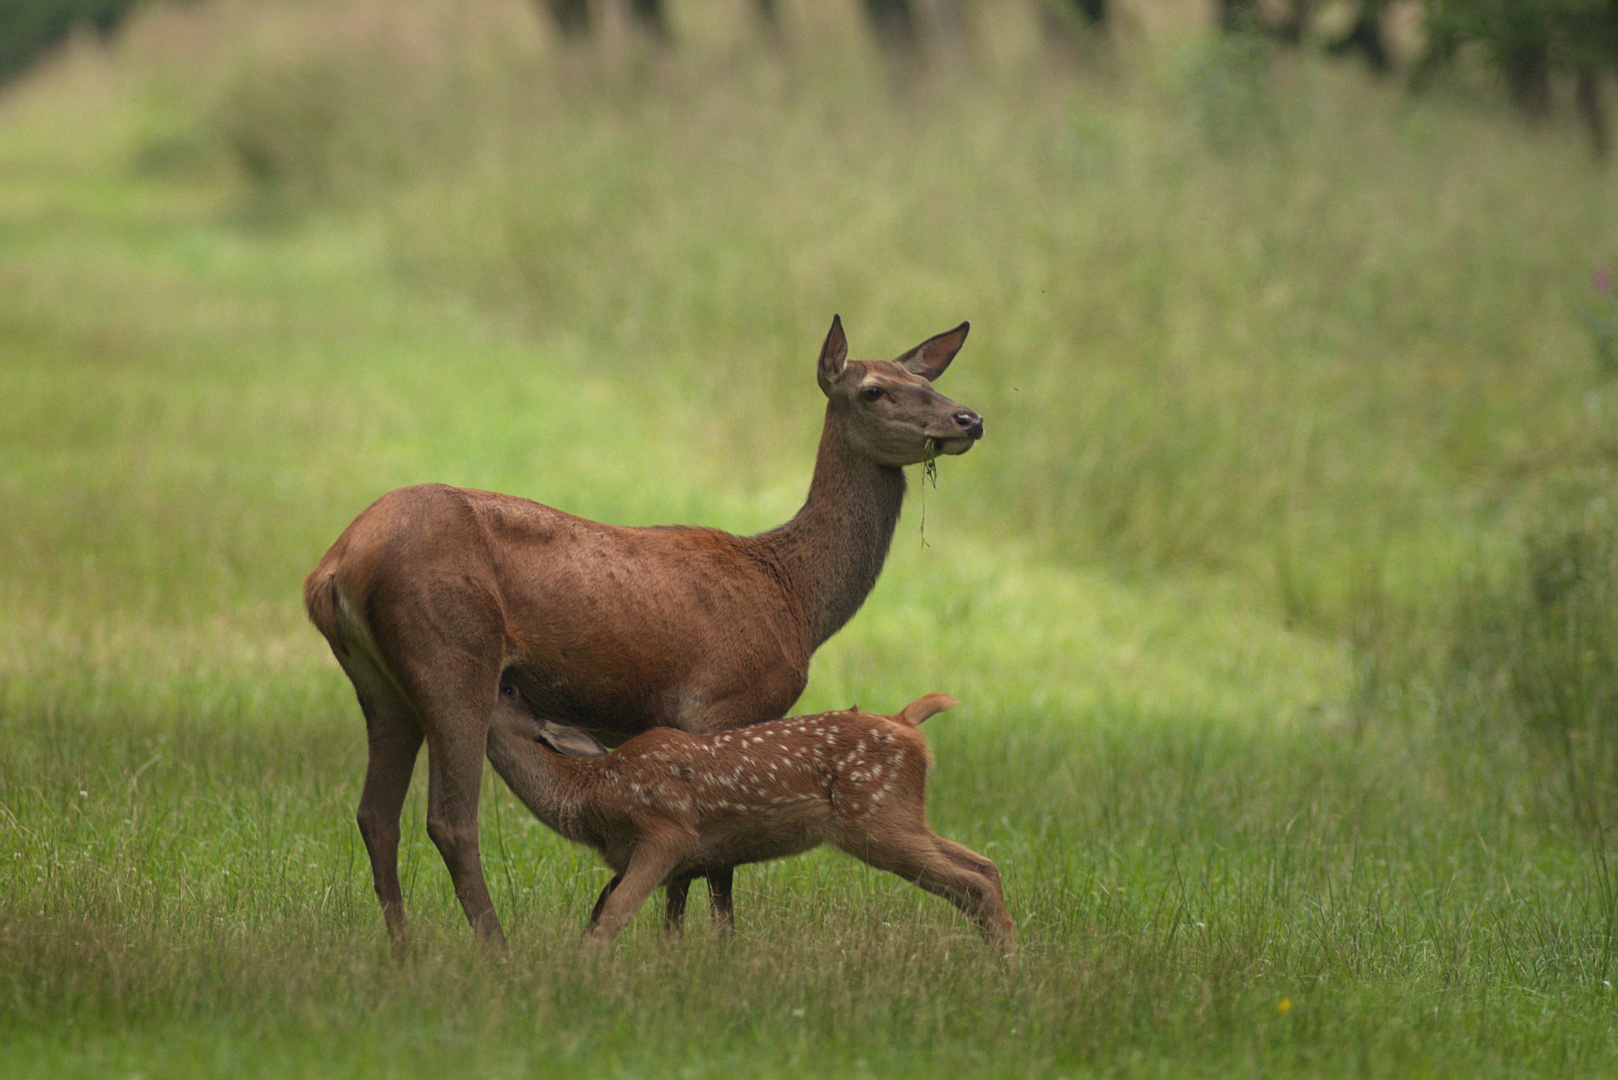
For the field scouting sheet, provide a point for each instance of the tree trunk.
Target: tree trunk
(1587, 96)
(894, 24)
(1366, 39)
(571, 17)
(1236, 15)
(769, 17)
(652, 19)
(1290, 29)
(1069, 23)
(1527, 67)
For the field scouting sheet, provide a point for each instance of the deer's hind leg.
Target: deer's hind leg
(393, 740)
(674, 897)
(966, 858)
(457, 742)
(921, 858)
(454, 687)
(719, 900)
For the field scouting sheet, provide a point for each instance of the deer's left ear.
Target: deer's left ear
(570, 741)
(833, 355)
(931, 357)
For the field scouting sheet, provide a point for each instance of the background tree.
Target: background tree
(30, 27)
(1071, 22)
(894, 24)
(1531, 41)
(574, 21)
(1364, 37)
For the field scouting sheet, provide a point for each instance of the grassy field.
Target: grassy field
(1287, 547)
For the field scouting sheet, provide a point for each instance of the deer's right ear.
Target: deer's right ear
(833, 355)
(931, 357)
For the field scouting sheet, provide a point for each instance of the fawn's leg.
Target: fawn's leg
(674, 908)
(648, 866)
(601, 902)
(965, 857)
(919, 858)
(719, 900)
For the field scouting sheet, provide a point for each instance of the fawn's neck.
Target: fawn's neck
(552, 786)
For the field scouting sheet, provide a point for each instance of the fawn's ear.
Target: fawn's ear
(931, 357)
(833, 355)
(570, 741)
(920, 709)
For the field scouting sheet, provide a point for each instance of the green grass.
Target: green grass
(1273, 377)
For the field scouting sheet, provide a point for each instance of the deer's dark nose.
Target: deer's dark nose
(970, 422)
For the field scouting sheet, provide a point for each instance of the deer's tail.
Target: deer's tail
(321, 602)
(920, 709)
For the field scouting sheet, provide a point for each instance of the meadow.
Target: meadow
(1277, 596)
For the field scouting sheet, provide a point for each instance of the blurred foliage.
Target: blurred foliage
(1230, 91)
(30, 27)
(1255, 412)
(1530, 42)
(1532, 654)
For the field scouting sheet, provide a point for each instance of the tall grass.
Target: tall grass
(1277, 673)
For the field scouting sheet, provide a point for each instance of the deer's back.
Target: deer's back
(764, 792)
(614, 627)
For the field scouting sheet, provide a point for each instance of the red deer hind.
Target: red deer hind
(436, 595)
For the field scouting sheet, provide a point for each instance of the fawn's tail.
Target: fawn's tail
(920, 709)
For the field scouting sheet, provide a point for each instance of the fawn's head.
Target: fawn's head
(889, 409)
(511, 714)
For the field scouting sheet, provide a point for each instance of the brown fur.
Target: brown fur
(436, 595)
(669, 805)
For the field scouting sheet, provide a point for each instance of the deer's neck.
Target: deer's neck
(833, 550)
(549, 784)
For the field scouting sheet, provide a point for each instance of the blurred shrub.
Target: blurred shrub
(1601, 319)
(284, 127)
(1536, 657)
(329, 101)
(30, 27)
(1228, 89)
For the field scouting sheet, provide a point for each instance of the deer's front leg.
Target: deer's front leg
(601, 902)
(648, 866)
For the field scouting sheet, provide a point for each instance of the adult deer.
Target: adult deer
(436, 595)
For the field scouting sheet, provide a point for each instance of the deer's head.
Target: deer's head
(512, 714)
(888, 408)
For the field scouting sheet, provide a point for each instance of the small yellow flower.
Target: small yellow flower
(1284, 1005)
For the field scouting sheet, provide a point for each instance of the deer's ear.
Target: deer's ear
(570, 741)
(833, 355)
(931, 357)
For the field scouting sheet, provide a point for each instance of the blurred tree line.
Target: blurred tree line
(1534, 45)
(895, 24)
(28, 28)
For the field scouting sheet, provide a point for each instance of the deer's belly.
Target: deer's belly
(759, 834)
(622, 692)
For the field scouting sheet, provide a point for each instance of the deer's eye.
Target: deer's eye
(872, 393)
